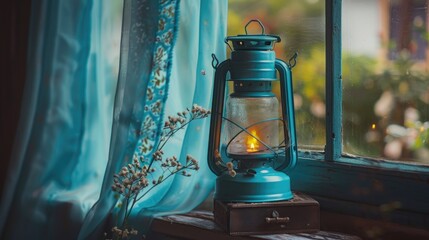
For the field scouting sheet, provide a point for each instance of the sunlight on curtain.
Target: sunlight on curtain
(201, 30)
(60, 152)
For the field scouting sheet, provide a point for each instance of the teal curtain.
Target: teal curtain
(60, 150)
(79, 125)
(198, 29)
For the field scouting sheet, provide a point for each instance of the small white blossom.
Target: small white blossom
(232, 173)
(230, 165)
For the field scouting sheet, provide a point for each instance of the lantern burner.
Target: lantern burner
(251, 146)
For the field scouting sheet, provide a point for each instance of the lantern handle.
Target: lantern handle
(288, 111)
(260, 24)
(221, 72)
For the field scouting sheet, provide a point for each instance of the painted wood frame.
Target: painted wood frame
(375, 189)
(333, 80)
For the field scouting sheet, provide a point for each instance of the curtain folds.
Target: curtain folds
(186, 79)
(60, 151)
(79, 125)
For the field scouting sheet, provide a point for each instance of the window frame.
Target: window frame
(385, 190)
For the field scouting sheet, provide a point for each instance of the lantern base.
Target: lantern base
(262, 184)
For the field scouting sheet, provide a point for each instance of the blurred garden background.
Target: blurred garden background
(385, 71)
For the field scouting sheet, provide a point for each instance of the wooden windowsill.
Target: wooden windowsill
(200, 225)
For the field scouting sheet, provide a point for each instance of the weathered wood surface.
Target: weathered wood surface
(200, 225)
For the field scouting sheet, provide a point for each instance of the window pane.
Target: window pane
(300, 24)
(385, 79)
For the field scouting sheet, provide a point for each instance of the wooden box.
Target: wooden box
(298, 215)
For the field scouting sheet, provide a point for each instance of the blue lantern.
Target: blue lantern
(252, 136)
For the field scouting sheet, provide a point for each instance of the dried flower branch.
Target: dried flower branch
(228, 165)
(136, 179)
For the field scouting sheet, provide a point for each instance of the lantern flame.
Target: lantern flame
(252, 143)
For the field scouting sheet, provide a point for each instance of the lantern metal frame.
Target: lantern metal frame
(252, 61)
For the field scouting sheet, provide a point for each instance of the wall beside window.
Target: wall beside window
(14, 25)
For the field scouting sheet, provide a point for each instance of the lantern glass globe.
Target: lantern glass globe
(252, 113)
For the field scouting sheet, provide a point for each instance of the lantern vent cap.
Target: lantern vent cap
(247, 41)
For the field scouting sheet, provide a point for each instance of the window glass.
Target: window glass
(300, 24)
(386, 79)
